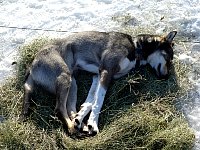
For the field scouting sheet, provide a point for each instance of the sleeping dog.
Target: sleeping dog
(107, 54)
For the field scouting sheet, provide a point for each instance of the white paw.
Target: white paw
(92, 129)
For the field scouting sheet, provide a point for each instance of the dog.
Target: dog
(109, 55)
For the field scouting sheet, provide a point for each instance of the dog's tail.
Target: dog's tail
(27, 73)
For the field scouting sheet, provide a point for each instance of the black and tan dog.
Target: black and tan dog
(108, 55)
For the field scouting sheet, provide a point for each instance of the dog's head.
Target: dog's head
(162, 56)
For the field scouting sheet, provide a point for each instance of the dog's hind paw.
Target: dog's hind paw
(77, 124)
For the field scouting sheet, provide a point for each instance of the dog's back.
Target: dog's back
(86, 50)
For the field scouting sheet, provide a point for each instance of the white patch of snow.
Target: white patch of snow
(185, 56)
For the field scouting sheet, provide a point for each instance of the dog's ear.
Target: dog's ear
(171, 36)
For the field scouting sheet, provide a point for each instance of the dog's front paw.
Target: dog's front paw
(92, 129)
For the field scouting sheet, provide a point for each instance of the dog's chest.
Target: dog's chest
(125, 66)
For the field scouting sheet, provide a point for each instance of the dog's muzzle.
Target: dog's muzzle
(160, 74)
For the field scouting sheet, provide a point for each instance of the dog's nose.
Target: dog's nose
(163, 77)
(164, 74)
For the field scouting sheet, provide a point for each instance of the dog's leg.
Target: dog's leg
(28, 89)
(87, 105)
(62, 90)
(72, 99)
(103, 82)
